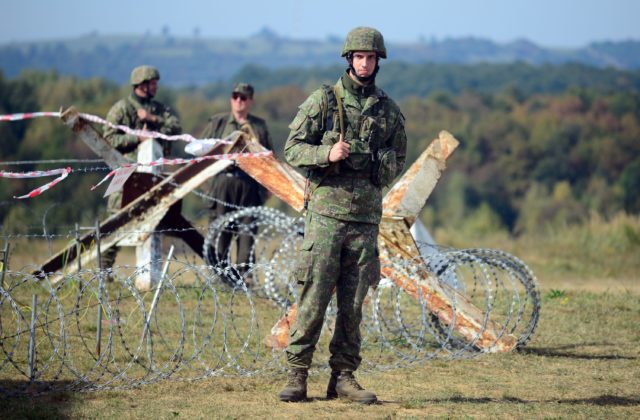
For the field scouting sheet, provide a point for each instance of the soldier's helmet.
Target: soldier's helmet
(364, 39)
(144, 73)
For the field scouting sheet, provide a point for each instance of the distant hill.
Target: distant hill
(198, 61)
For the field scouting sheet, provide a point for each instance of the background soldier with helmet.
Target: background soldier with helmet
(137, 111)
(351, 140)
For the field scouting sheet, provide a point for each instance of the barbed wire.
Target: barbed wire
(43, 161)
(79, 332)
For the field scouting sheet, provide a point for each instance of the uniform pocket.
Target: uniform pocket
(302, 272)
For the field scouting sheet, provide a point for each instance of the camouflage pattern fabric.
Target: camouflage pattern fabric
(371, 119)
(124, 112)
(234, 186)
(341, 255)
(340, 244)
(365, 39)
(244, 89)
(144, 73)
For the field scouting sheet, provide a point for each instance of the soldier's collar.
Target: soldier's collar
(356, 88)
(232, 119)
(140, 99)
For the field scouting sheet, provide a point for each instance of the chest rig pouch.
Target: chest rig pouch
(366, 139)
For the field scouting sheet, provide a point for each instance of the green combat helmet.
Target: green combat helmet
(144, 73)
(364, 39)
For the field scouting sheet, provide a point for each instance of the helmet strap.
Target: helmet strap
(364, 80)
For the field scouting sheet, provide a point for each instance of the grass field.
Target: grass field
(583, 361)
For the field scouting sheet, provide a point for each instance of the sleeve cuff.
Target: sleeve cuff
(322, 155)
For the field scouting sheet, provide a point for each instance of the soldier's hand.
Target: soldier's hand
(146, 116)
(339, 151)
(141, 138)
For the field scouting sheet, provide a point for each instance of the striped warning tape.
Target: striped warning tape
(63, 172)
(98, 120)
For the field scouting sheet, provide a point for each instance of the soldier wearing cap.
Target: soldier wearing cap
(141, 111)
(350, 138)
(234, 188)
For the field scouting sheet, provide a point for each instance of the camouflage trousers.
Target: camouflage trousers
(341, 256)
(237, 189)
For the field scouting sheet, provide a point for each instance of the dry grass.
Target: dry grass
(583, 361)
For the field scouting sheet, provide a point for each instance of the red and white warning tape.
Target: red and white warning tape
(63, 172)
(164, 161)
(27, 116)
(93, 118)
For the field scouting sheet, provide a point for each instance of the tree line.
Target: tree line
(529, 156)
(198, 61)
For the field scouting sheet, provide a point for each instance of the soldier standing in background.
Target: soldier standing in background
(233, 188)
(351, 140)
(137, 111)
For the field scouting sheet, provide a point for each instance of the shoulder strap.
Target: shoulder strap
(340, 112)
(136, 105)
(332, 102)
(328, 107)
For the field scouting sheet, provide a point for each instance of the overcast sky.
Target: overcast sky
(550, 23)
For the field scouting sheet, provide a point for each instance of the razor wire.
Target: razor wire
(77, 331)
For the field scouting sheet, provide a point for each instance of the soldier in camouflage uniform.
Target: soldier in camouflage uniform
(351, 140)
(137, 111)
(233, 188)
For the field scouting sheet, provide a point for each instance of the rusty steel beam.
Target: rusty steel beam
(401, 206)
(278, 177)
(93, 139)
(134, 222)
(445, 302)
(409, 195)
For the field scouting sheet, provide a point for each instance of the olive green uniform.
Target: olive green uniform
(339, 250)
(125, 112)
(234, 187)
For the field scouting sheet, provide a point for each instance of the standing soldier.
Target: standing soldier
(351, 140)
(233, 188)
(137, 111)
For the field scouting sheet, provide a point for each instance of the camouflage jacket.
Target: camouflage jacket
(223, 124)
(372, 121)
(124, 112)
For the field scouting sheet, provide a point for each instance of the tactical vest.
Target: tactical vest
(368, 155)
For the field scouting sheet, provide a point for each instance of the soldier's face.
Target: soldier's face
(240, 103)
(152, 87)
(364, 63)
(148, 89)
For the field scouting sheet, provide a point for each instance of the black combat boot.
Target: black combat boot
(347, 387)
(331, 388)
(296, 388)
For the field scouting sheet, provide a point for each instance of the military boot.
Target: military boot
(331, 388)
(296, 388)
(346, 386)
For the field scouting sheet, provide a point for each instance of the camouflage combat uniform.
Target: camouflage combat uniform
(234, 186)
(125, 112)
(339, 249)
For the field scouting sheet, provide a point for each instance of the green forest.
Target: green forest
(540, 145)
